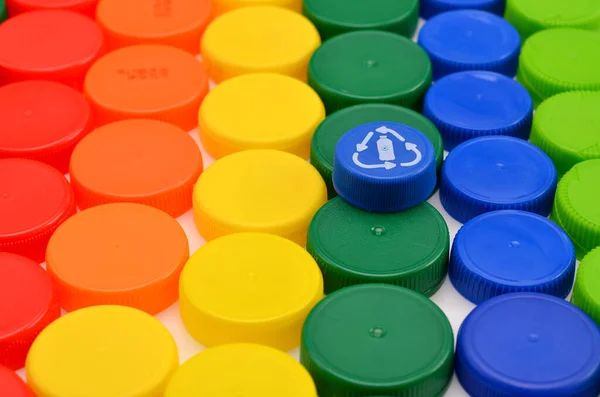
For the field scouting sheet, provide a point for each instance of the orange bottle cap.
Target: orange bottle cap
(87, 7)
(142, 161)
(118, 254)
(147, 81)
(52, 45)
(179, 23)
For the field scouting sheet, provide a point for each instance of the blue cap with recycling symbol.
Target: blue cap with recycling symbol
(384, 167)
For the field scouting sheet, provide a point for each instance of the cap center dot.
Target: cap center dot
(377, 332)
(371, 63)
(514, 244)
(533, 338)
(378, 230)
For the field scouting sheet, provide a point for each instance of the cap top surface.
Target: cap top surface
(516, 343)
(477, 100)
(22, 182)
(381, 323)
(102, 351)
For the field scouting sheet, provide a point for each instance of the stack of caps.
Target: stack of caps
(383, 173)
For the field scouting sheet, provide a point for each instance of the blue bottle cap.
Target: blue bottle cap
(511, 251)
(384, 167)
(430, 8)
(471, 104)
(497, 173)
(528, 344)
(470, 40)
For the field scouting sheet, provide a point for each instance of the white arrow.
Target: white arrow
(384, 130)
(413, 148)
(387, 165)
(363, 145)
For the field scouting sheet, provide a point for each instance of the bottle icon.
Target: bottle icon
(385, 147)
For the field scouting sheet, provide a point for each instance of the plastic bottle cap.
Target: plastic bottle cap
(341, 16)
(260, 111)
(470, 40)
(87, 7)
(528, 344)
(43, 121)
(557, 117)
(331, 130)
(263, 371)
(223, 6)
(147, 81)
(179, 23)
(11, 385)
(28, 221)
(52, 45)
(102, 351)
(430, 8)
(472, 104)
(143, 161)
(408, 248)
(369, 66)
(258, 191)
(123, 254)
(531, 16)
(404, 333)
(558, 60)
(586, 293)
(496, 173)
(249, 288)
(576, 208)
(259, 39)
(384, 167)
(511, 251)
(28, 303)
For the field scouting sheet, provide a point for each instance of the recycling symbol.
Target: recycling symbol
(385, 148)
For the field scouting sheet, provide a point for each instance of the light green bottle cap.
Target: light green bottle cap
(556, 120)
(531, 16)
(558, 60)
(586, 293)
(576, 207)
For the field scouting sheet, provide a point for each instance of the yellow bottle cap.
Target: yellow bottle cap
(258, 191)
(259, 39)
(260, 111)
(241, 370)
(249, 287)
(223, 6)
(102, 351)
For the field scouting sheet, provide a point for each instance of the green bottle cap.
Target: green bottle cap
(408, 248)
(334, 17)
(3, 14)
(378, 339)
(369, 66)
(554, 123)
(559, 60)
(586, 292)
(336, 125)
(576, 207)
(531, 16)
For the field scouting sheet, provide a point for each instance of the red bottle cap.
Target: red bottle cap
(11, 385)
(87, 7)
(55, 45)
(28, 303)
(34, 199)
(42, 120)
